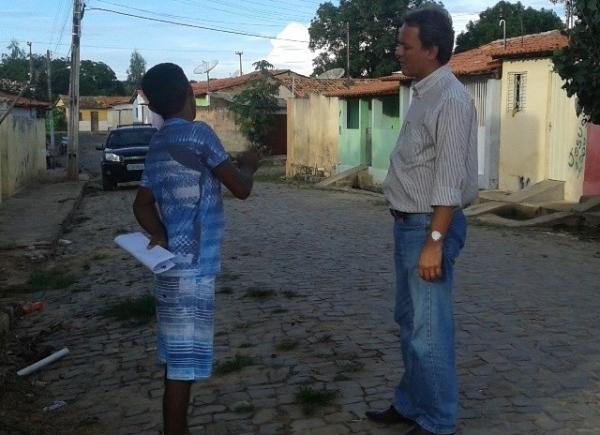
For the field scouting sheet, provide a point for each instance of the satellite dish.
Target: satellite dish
(335, 73)
(206, 67)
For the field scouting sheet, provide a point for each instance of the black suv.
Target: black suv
(124, 154)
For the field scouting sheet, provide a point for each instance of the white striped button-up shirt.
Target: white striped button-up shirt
(435, 159)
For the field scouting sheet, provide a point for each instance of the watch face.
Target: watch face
(436, 235)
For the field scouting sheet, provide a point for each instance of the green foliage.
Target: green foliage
(578, 63)
(96, 78)
(234, 365)
(60, 119)
(311, 399)
(255, 106)
(136, 71)
(373, 28)
(138, 311)
(53, 279)
(487, 28)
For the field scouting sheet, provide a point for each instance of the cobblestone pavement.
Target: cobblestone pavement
(527, 315)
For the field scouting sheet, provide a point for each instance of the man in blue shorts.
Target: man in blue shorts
(179, 204)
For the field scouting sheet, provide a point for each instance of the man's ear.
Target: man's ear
(432, 52)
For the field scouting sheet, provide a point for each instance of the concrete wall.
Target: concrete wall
(22, 150)
(120, 115)
(222, 120)
(313, 134)
(535, 143)
(591, 181)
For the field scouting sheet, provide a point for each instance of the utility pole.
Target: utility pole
(51, 120)
(347, 50)
(73, 147)
(239, 53)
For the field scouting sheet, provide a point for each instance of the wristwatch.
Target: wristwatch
(436, 236)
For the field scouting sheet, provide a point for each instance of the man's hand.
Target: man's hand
(158, 240)
(249, 160)
(430, 262)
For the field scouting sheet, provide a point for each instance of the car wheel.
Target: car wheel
(108, 184)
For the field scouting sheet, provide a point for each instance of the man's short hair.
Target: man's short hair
(166, 87)
(435, 29)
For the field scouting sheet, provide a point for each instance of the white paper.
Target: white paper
(157, 259)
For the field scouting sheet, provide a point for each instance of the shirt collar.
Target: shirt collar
(175, 120)
(421, 87)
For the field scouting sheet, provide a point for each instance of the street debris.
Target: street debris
(43, 362)
(31, 307)
(64, 242)
(57, 404)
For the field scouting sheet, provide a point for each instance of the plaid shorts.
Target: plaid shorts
(184, 314)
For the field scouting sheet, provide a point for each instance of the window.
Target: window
(81, 116)
(517, 85)
(352, 115)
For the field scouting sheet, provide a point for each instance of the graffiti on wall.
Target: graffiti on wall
(577, 153)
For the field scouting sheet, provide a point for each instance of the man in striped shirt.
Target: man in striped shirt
(432, 176)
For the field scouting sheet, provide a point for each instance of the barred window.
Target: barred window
(517, 85)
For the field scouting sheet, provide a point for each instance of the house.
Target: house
(372, 115)
(141, 113)
(214, 99)
(542, 137)
(22, 139)
(94, 111)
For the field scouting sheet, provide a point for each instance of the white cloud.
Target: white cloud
(461, 19)
(292, 55)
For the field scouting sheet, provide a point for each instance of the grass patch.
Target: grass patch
(311, 399)
(269, 178)
(225, 291)
(53, 279)
(290, 294)
(279, 311)
(234, 365)
(137, 310)
(258, 293)
(286, 345)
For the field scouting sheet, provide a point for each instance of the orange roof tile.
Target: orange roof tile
(369, 88)
(8, 97)
(487, 58)
(303, 86)
(97, 102)
(201, 88)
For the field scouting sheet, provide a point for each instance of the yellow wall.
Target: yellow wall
(528, 154)
(222, 121)
(86, 114)
(22, 151)
(313, 134)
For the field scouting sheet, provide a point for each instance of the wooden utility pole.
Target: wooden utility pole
(73, 147)
(51, 120)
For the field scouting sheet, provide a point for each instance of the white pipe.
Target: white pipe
(43, 362)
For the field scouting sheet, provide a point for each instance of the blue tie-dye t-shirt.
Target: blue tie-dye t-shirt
(178, 170)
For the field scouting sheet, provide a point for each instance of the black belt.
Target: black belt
(399, 214)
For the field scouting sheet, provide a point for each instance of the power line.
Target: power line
(159, 20)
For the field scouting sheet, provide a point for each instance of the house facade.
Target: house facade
(96, 113)
(141, 113)
(22, 140)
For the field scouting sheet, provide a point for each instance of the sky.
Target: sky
(111, 38)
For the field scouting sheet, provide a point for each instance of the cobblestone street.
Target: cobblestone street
(306, 293)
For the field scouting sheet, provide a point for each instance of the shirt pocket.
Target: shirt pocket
(416, 144)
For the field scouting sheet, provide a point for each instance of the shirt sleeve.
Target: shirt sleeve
(203, 150)
(453, 132)
(145, 181)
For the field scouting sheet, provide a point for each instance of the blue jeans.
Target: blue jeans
(428, 391)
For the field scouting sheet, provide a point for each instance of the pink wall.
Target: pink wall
(591, 178)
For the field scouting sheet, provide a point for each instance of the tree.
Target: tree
(487, 28)
(136, 71)
(97, 78)
(578, 64)
(373, 27)
(255, 105)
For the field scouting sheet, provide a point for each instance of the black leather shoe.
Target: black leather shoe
(389, 416)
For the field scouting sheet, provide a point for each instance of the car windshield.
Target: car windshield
(129, 138)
